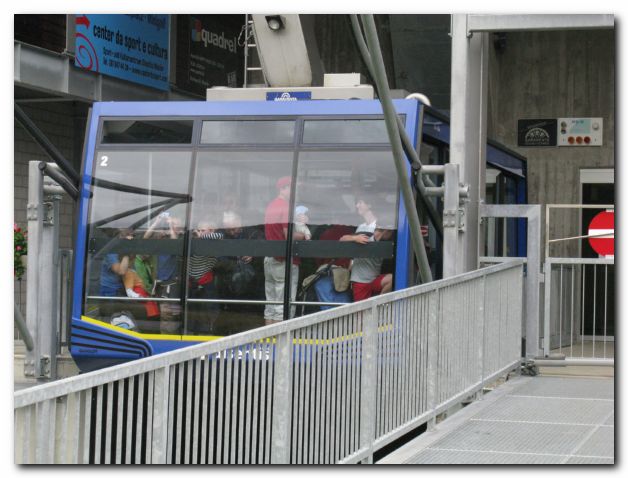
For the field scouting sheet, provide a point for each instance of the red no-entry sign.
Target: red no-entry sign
(602, 226)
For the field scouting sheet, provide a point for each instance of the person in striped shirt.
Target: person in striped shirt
(201, 268)
(201, 281)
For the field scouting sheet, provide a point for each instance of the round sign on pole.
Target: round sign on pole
(602, 233)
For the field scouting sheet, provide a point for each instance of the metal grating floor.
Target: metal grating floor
(527, 420)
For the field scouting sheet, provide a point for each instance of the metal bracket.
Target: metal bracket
(29, 368)
(48, 214)
(454, 218)
(31, 212)
(449, 218)
(44, 364)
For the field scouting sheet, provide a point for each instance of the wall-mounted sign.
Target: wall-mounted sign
(130, 47)
(208, 52)
(536, 132)
(580, 131)
(288, 95)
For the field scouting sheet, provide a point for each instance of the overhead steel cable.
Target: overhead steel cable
(406, 143)
(392, 126)
(46, 145)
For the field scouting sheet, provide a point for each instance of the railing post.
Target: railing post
(432, 355)
(481, 328)
(547, 315)
(533, 282)
(368, 382)
(159, 447)
(282, 400)
(45, 431)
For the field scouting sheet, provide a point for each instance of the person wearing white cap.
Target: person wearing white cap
(301, 220)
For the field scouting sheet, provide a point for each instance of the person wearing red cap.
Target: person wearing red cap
(276, 228)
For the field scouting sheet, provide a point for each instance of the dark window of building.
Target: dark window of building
(45, 31)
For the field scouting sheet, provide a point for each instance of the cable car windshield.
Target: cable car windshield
(240, 228)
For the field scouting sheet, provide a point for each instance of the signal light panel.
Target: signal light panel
(580, 131)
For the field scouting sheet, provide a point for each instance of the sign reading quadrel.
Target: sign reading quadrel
(603, 227)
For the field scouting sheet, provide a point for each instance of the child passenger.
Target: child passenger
(201, 268)
(135, 288)
(301, 220)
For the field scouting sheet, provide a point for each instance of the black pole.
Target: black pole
(60, 178)
(411, 154)
(125, 188)
(46, 145)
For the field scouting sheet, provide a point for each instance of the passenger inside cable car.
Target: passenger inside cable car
(224, 291)
(214, 167)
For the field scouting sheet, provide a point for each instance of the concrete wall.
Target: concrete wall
(551, 75)
(535, 75)
(63, 123)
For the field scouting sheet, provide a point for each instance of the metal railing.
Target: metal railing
(331, 387)
(579, 310)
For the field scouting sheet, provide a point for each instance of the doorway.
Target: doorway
(597, 187)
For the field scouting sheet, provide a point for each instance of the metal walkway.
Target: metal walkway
(528, 420)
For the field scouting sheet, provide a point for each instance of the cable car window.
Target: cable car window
(345, 216)
(344, 131)
(247, 132)
(147, 132)
(230, 242)
(135, 239)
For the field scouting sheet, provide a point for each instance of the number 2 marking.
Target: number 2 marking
(103, 161)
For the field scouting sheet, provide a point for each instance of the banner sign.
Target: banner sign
(129, 47)
(536, 132)
(208, 52)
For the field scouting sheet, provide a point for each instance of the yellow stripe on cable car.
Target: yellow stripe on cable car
(208, 338)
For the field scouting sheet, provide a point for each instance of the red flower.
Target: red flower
(19, 248)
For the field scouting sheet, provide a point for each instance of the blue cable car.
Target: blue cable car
(190, 213)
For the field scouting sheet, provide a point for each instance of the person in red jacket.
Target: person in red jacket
(276, 229)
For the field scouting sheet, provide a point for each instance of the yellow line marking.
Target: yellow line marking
(140, 335)
(207, 338)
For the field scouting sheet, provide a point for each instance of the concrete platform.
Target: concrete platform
(527, 420)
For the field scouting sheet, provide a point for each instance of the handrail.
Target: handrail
(353, 379)
(99, 377)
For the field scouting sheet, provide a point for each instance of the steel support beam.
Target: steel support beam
(507, 23)
(42, 285)
(452, 228)
(469, 67)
